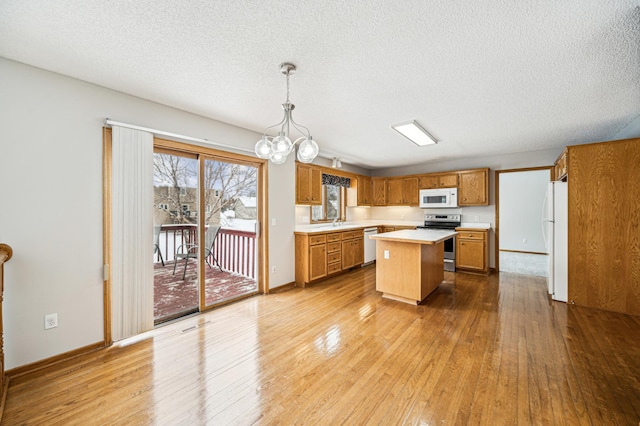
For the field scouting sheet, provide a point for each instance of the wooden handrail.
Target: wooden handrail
(5, 253)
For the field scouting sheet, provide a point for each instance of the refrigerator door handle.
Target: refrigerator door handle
(544, 220)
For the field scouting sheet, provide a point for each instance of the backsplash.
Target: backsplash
(484, 214)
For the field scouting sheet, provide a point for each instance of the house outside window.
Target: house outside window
(333, 205)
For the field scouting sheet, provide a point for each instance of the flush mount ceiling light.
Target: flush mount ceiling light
(279, 147)
(415, 133)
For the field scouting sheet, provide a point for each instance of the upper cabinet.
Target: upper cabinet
(402, 191)
(473, 188)
(360, 193)
(437, 180)
(308, 185)
(379, 191)
(561, 169)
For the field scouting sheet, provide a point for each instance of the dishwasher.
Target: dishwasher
(369, 246)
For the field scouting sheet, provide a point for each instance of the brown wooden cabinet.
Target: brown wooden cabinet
(321, 255)
(410, 191)
(561, 166)
(604, 225)
(402, 191)
(436, 180)
(472, 251)
(334, 253)
(317, 262)
(365, 197)
(308, 185)
(360, 193)
(352, 248)
(394, 192)
(379, 191)
(473, 189)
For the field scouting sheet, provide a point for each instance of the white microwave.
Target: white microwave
(438, 198)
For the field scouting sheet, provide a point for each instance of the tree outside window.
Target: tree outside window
(333, 197)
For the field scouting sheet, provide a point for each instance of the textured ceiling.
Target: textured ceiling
(483, 77)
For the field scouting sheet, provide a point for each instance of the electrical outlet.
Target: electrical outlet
(50, 321)
(476, 218)
(273, 221)
(386, 254)
(274, 269)
(524, 240)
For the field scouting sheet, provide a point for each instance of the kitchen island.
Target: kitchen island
(410, 263)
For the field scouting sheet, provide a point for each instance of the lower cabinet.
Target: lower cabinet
(321, 255)
(317, 257)
(334, 253)
(352, 249)
(472, 251)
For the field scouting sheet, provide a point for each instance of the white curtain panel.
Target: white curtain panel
(131, 232)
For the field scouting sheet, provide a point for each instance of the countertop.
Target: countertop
(346, 226)
(475, 225)
(420, 236)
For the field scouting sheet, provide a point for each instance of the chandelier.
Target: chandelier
(279, 147)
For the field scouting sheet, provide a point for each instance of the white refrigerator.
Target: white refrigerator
(555, 224)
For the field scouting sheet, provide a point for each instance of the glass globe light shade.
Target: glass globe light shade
(278, 158)
(308, 150)
(282, 144)
(264, 148)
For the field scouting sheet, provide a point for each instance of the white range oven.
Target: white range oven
(444, 221)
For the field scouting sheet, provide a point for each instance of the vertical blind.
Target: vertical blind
(131, 232)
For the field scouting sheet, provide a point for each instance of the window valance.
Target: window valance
(335, 180)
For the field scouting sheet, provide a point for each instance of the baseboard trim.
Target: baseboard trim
(48, 362)
(525, 252)
(284, 287)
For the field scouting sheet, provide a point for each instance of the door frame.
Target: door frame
(497, 192)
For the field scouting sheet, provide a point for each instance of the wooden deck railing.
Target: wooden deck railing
(234, 249)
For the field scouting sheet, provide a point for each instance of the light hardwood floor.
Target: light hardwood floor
(480, 350)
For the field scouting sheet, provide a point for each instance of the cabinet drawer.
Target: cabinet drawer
(471, 235)
(333, 257)
(317, 239)
(336, 236)
(352, 234)
(333, 247)
(333, 267)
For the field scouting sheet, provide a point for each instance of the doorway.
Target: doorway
(200, 197)
(520, 245)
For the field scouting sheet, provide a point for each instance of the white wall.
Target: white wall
(522, 195)
(631, 130)
(51, 214)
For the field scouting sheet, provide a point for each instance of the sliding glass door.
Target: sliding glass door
(175, 218)
(206, 211)
(230, 219)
